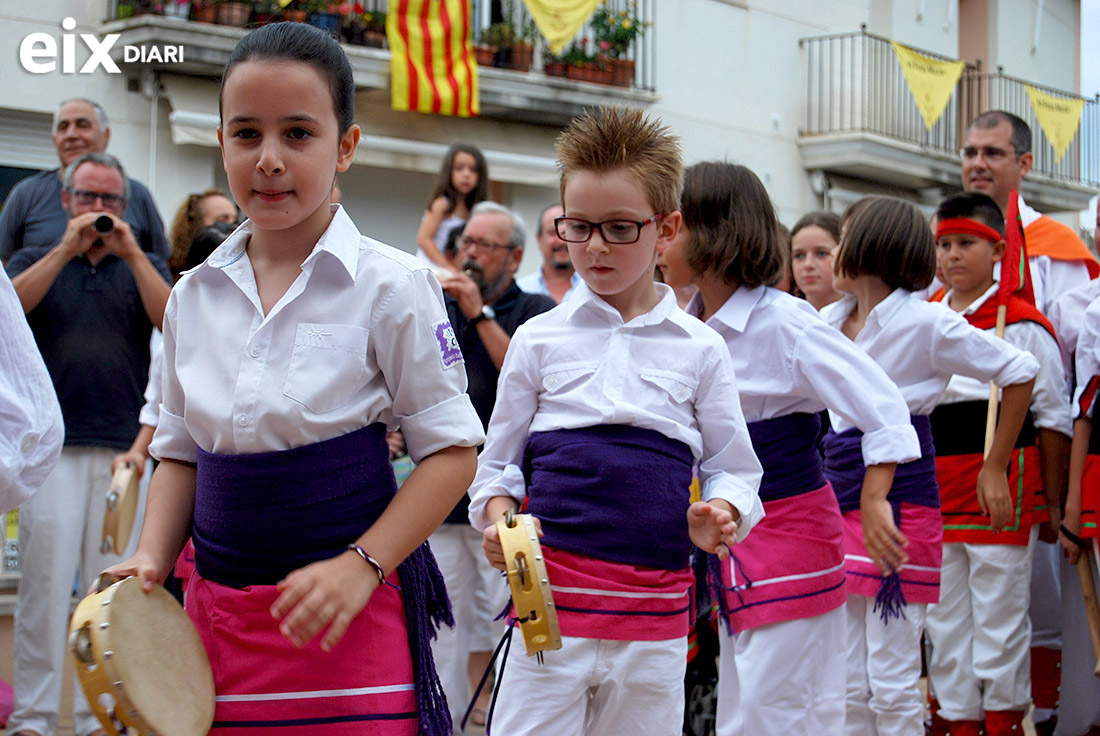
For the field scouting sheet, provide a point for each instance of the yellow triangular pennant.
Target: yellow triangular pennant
(931, 81)
(559, 20)
(1058, 117)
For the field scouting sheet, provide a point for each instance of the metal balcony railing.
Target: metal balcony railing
(855, 85)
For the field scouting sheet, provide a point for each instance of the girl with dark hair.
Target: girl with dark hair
(893, 537)
(781, 592)
(463, 182)
(814, 240)
(287, 353)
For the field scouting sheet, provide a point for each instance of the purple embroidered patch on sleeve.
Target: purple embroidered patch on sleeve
(449, 351)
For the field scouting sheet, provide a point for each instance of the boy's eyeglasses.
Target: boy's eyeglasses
(620, 232)
(989, 153)
(88, 197)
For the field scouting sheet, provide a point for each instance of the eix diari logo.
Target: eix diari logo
(38, 52)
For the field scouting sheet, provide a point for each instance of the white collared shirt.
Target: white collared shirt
(1067, 315)
(788, 360)
(31, 427)
(1088, 359)
(922, 344)
(1050, 397)
(361, 336)
(150, 410)
(1050, 277)
(579, 365)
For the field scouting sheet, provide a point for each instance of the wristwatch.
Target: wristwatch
(487, 312)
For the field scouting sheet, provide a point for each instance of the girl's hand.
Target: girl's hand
(1072, 522)
(712, 526)
(130, 457)
(994, 498)
(141, 565)
(490, 544)
(884, 541)
(327, 593)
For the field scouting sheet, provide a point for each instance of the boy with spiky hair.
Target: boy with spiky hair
(605, 404)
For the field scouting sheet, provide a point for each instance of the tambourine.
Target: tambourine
(538, 620)
(141, 662)
(122, 502)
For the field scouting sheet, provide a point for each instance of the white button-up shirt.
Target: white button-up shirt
(1049, 399)
(31, 428)
(579, 365)
(788, 360)
(1088, 360)
(361, 336)
(922, 344)
(1067, 316)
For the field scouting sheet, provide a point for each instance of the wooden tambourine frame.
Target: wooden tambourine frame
(534, 604)
(122, 502)
(141, 662)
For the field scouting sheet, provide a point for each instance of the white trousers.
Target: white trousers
(783, 678)
(593, 687)
(980, 632)
(1045, 609)
(1080, 703)
(883, 686)
(478, 593)
(60, 530)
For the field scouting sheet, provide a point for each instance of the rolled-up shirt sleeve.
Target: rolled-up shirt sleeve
(961, 348)
(418, 354)
(728, 469)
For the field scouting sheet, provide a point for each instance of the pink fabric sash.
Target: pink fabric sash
(920, 580)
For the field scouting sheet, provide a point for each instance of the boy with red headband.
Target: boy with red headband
(980, 632)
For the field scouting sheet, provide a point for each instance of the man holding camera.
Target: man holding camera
(92, 301)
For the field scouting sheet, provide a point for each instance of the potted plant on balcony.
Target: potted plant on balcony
(499, 36)
(522, 52)
(204, 11)
(583, 66)
(615, 33)
(129, 8)
(326, 16)
(233, 13)
(176, 9)
(264, 12)
(298, 10)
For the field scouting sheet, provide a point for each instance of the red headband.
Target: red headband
(966, 226)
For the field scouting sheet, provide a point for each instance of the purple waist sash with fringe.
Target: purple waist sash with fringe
(914, 482)
(260, 516)
(787, 449)
(613, 492)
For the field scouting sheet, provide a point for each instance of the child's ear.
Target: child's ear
(348, 143)
(669, 225)
(999, 250)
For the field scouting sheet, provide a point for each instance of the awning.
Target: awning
(517, 153)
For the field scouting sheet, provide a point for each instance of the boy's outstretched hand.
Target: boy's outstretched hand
(713, 525)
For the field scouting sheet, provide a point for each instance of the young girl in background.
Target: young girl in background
(782, 598)
(286, 355)
(814, 239)
(893, 536)
(463, 182)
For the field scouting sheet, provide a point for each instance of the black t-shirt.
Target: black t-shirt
(93, 333)
(513, 308)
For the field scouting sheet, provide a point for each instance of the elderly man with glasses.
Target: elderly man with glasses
(92, 301)
(485, 307)
(32, 214)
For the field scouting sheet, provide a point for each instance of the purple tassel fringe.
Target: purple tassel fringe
(427, 607)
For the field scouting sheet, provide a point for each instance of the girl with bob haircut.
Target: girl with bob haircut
(781, 591)
(463, 181)
(286, 355)
(893, 536)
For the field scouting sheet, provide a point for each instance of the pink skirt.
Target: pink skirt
(266, 685)
(596, 599)
(791, 565)
(920, 580)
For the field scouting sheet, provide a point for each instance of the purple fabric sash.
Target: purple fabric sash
(260, 516)
(614, 492)
(914, 482)
(787, 449)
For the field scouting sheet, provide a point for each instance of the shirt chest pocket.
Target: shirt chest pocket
(327, 366)
(673, 385)
(564, 377)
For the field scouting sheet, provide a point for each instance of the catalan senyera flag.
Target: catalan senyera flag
(1015, 271)
(432, 68)
(932, 81)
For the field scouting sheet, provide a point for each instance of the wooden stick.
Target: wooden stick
(1092, 608)
(994, 393)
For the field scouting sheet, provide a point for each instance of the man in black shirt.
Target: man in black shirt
(485, 307)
